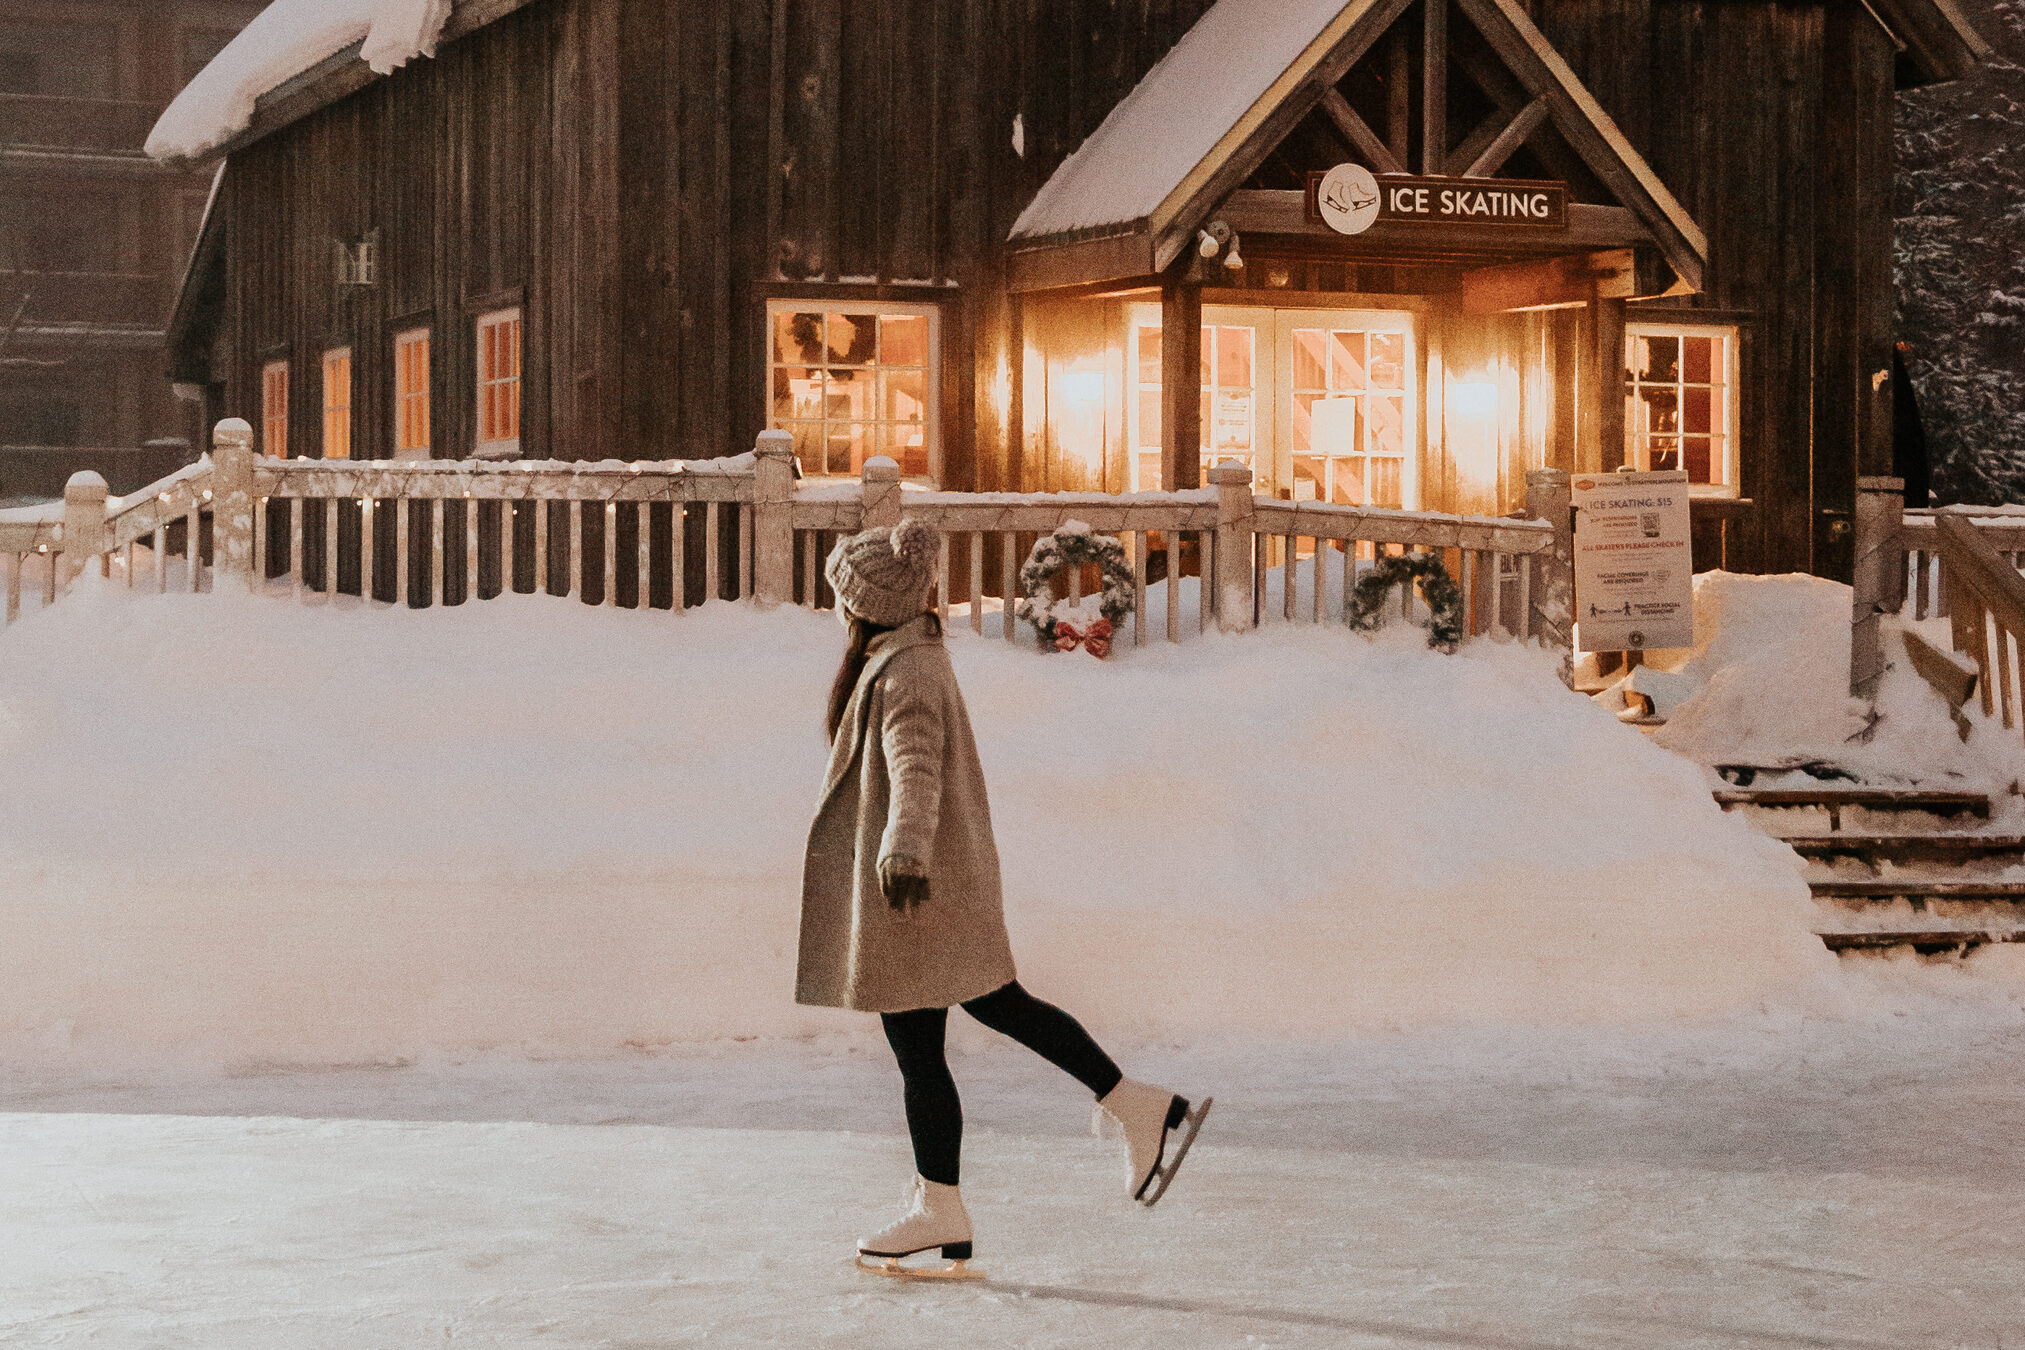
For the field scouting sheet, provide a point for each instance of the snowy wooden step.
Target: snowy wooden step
(1927, 942)
(1837, 800)
(1874, 848)
(1918, 889)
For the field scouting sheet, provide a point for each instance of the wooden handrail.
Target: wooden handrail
(1983, 591)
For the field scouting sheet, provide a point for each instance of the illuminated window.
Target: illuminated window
(852, 381)
(499, 384)
(1680, 401)
(411, 393)
(274, 409)
(1230, 396)
(337, 403)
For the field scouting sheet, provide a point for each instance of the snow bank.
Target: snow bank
(231, 825)
(1767, 683)
(286, 39)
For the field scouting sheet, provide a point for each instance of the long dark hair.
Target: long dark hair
(862, 631)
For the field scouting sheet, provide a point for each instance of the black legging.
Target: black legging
(934, 1113)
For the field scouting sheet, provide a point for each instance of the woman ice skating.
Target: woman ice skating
(901, 910)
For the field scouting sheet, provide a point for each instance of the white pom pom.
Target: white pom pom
(914, 543)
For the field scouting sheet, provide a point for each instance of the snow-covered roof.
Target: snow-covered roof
(288, 38)
(1176, 117)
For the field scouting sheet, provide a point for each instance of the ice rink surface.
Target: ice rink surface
(1770, 1182)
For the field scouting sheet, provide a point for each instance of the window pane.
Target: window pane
(1310, 476)
(1388, 480)
(1149, 471)
(849, 446)
(1311, 370)
(1388, 425)
(847, 394)
(1149, 355)
(1149, 417)
(854, 339)
(1232, 428)
(1696, 410)
(797, 392)
(1664, 454)
(1697, 360)
(1346, 361)
(798, 338)
(906, 397)
(1662, 359)
(1695, 455)
(808, 441)
(907, 445)
(1388, 360)
(1658, 411)
(903, 339)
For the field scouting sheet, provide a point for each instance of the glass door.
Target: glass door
(1319, 404)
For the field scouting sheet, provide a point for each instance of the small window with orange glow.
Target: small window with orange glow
(848, 382)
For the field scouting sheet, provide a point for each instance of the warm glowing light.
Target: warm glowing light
(1473, 434)
(1076, 399)
(1083, 389)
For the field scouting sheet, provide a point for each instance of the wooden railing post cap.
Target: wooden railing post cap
(882, 469)
(232, 431)
(1546, 478)
(1230, 473)
(84, 485)
(774, 443)
(1880, 485)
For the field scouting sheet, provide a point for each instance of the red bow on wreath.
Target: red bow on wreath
(1096, 638)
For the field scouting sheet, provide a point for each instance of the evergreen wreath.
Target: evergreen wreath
(1366, 611)
(1071, 546)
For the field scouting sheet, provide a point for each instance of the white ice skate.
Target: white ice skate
(1147, 1116)
(935, 1217)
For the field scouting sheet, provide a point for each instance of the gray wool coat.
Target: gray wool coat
(904, 779)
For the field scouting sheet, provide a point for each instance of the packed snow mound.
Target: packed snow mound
(286, 39)
(322, 832)
(1767, 684)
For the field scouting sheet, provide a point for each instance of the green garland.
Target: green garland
(1366, 611)
(1072, 546)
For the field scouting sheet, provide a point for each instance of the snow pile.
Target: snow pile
(286, 39)
(316, 832)
(1767, 684)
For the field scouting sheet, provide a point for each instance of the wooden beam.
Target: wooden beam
(1399, 94)
(1493, 156)
(1358, 132)
(1550, 283)
(1180, 384)
(1434, 88)
(1109, 258)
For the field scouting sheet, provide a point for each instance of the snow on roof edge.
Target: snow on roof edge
(1175, 116)
(286, 39)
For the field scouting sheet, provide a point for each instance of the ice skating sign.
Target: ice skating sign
(1349, 199)
(1634, 573)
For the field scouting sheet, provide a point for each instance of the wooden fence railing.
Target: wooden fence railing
(674, 534)
(1962, 563)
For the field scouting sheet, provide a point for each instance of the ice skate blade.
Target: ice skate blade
(890, 1267)
(1163, 1175)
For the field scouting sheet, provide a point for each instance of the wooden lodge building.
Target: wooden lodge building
(1386, 252)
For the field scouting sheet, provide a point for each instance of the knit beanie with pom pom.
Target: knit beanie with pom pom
(884, 575)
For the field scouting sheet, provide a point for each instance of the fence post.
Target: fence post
(83, 522)
(1878, 583)
(773, 525)
(880, 485)
(1235, 511)
(1553, 591)
(232, 499)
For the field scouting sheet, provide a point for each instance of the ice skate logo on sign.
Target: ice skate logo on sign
(1348, 198)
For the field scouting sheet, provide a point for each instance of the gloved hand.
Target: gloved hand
(904, 881)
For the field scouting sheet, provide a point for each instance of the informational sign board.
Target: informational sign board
(1634, 572)
(1349, 199)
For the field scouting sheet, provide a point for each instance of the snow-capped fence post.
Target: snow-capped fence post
(773, 526)
(879, 483)
(1878, 581)
(232, 499)
(1552, 599)
(84, 531)
(1231, 589)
